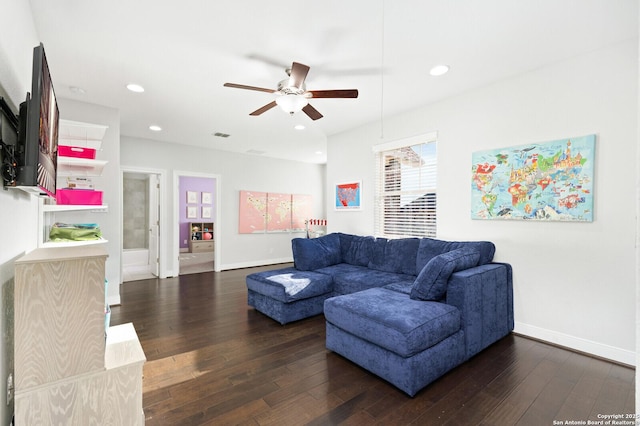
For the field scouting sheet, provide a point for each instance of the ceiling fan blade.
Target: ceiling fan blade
(242, 86)
(348, 93)
(267, 60)
(313, 113)
(298, 74)
(267, 107)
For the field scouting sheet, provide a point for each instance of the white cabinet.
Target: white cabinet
(66, 372)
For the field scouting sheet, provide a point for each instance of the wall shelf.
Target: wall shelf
(72, 133)
(73, 166)
(86, 135)
(47, 217)
(73, 207)
(73, 243)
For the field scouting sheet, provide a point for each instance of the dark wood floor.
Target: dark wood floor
(212, 360)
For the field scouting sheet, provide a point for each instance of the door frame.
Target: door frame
(176, 214)
(153, 184)
(164, 225)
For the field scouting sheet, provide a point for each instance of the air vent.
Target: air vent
(221, 135)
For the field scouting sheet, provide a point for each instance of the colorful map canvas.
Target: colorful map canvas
(550, 181)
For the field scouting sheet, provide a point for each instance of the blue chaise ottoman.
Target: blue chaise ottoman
(288, 294)
(407, 342)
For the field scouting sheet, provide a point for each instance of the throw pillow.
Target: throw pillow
(430, 248)
(431, 283)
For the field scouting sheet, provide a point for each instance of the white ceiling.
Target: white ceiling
(183, 52)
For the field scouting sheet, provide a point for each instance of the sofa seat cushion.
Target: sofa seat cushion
(401, 286)
(392, 320)
(341, 269)
(350, 278)
(289, 284)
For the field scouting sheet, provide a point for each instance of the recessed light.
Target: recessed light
(135, 88)
(299, 127)
(439, 70)
(155, 128)
(318, 152)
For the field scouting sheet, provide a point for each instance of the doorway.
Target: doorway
(141, 207)
(197, 210)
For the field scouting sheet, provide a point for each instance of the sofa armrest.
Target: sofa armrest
(484, 296)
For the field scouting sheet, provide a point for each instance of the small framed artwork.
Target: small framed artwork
(206, 198)
(206, 212)
(348, 196)
(192, 212)
(192, 197)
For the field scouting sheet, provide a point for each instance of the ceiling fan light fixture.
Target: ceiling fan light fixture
(292, 103)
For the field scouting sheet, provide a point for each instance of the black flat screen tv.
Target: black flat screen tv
(37, 150)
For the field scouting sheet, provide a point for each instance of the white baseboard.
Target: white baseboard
(577, 343)
(113, 300)
(255, 263)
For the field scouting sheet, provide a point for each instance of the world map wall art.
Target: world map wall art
(262, 212)
(549, 181)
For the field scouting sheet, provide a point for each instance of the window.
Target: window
(405, 193)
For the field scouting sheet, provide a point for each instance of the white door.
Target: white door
(154, 223)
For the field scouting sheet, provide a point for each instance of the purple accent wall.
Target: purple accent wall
(198, 185)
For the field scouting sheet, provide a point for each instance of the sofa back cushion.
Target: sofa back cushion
(431, 283)
(398, 256)
(313, 253)
(430, 248)
(356, 250)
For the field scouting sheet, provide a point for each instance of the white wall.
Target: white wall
(637, 323)
(237, 172)
(574, 283)
(18, 212)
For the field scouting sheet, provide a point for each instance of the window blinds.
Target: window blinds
(405, 190)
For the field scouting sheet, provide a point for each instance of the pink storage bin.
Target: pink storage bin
(76, 151)
(78, 197)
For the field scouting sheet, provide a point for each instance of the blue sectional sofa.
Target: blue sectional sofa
(408, 309)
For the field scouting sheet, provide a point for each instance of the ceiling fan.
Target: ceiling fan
(292, 95)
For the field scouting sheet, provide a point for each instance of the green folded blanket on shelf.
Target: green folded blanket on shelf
(75, 232)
